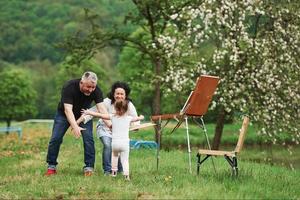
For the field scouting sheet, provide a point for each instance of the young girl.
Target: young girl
(120, 134)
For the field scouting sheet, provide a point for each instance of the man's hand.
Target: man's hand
(77, 131)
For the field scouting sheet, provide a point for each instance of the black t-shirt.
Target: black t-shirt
(71, 94)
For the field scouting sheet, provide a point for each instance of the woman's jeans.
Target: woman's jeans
(60, 127)
(107, 154)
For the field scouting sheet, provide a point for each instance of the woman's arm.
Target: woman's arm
(95, 114)
(134, 119)
(132, 112)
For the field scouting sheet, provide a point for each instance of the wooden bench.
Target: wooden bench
(12, 129)
(230, 156)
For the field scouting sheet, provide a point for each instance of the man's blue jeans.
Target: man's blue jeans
(60, 127)
(106, 155)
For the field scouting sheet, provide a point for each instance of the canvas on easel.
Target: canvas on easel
(201, 96)
(199, 99)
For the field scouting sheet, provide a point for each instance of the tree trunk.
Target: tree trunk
(219, 129)
(7, 125)
(157, 98)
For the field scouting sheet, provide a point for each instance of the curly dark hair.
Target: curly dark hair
(116, 85)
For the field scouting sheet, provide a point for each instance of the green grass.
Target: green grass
(23, 165)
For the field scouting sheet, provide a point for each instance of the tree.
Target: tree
(17, 99)
(152, 17)
(136, 70)
(254, 49)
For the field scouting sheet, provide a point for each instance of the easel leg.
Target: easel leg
(158, 126)
(188, 142)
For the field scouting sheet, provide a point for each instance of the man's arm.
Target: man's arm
(101, 108)
(71, 119)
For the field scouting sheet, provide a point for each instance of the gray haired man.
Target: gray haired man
(76, 94)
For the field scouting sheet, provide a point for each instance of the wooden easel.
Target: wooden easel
(196, 106)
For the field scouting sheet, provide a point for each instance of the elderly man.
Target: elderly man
(76, 94)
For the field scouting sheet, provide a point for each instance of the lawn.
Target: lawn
(23, 165)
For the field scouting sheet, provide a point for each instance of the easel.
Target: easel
(196, 106)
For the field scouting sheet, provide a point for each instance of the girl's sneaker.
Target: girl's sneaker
(127, 178)
(113, 173)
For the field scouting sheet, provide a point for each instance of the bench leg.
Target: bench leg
(199, 162)
(233, 164)
(235, 169)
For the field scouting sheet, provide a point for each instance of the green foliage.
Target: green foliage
(134, 70)
(137, 70)
(150, 17)
(43, 79)
(17, 100)
(31, 30)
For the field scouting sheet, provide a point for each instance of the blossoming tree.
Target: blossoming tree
(253, 46)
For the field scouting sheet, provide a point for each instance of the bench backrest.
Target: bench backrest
(242, 135)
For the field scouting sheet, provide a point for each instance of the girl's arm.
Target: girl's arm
(80, 119)
(134, 119)
(95, 114)
(87, 118)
